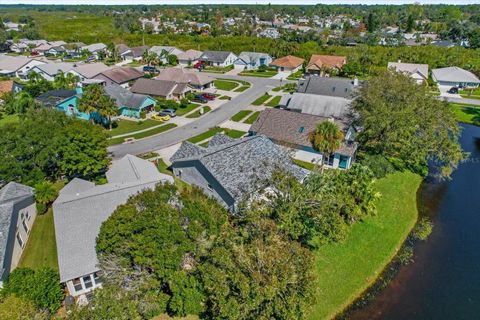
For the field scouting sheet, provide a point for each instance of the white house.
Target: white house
(95, 49)
(161, 51)
(455, 76)
(49, 71)
(418, 72)
(218, 58)
(189, 57)
(252, 60)
(17, 66)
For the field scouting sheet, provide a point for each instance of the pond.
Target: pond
(443, 282)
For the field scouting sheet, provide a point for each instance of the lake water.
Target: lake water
(444, 280)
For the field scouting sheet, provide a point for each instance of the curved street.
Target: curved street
(258, 87)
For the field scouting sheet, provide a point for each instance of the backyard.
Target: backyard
(347, 269)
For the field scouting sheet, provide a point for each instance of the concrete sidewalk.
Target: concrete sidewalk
(229, 124)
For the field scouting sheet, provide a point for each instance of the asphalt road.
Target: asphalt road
(224, 112)
(475, 102)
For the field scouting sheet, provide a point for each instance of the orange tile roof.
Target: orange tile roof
(5, 86)
(288, 62)
(323, 61)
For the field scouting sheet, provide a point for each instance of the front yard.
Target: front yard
(470, 94)
(345, 270)
(258, 73)
(127, 126)
(261, 100)
(225, 85)
(466, 113)
(143, 134)
(184, 110)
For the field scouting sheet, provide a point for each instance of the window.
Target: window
(20, 241)
(25, 227)
(77, 284)
(87, 281)
(96, 277)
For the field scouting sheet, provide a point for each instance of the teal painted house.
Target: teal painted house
(130, 104)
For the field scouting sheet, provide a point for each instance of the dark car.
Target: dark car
(453, 90)
(168, 112)
(150, 69)
(209, 96)
(200, 98)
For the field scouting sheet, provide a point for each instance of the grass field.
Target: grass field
(241, 89)
(346, 270)
(225, 85)
(256, 73)
(251, 119)
(144, 134)
(197, 114)
(306, 165)
(205, 135)
(466, 113)
(261, 100)
(296, 75)
(240, 115)
(475, 94)
(126, 126)
(190, 107)
(235, 134)
(274, 101)
(4, 119)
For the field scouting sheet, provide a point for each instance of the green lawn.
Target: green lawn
(4, 119)
(225, 85)
(295, 76)
(261, 100)
(241, 89)
(190, 107)
(41, 248)
(346, 270)
(126, 126)
(235, 134)
(466, 113)
(257, 73)
(240, 115)
(475, 94)
(144, 134)
(205, 135)
(197, 114)
(251, 119)
(225, 98)
(303, 164)
(214, 69)
(162, 167)
(274, 101)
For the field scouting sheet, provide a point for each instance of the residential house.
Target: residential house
(289, 64)
(189, 57)
(252, 60)
(321, 64)
(444, 43)
(195, 80)
(95, 49)
(218, 58)
(231, 171)
(455, 76)
(58, 47)
(49, 71)
(418, 72)
(122, 76)
(130, 104)
(328, 86)
(17, 66)
(89, 70)
(163, 51)
(80, 210)
(17, 214)
(133, 53)
(24, 45)
(292, 130)
(271, 33)
(165, 89)
(56, 51)
(313, 104)
(12, 26)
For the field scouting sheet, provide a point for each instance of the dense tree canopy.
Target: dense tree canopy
(48, 144)
(405, 123)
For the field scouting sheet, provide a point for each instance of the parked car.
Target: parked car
(453, 90)
(161, 117)
(168, 112)
(209, 96)
(150, 69)
(199, 65)
(200, 98)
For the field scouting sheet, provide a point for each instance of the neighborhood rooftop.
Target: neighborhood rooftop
(325, 106)
(328, 86)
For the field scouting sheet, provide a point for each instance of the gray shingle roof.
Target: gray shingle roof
(187, 150)
(240, 165)
(454, 74)
(410, 68)
(326, 86)
(123, 97)
(154, 87)
(249, 57)
(55, 68)
(215, 56)
(82, 207)
(317, 105)
(220, 139)
(122, 74)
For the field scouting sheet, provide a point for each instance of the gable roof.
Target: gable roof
(190, 54)
(94, 47)
(122, 74)
(90, 70)
(183, 76)
(410, 68)
(239, 165)
(153, 87)
(82, 207)
(215, 56)
(125, 98)
(137, 52)
(169, 49)
(327, 86)
(53, 97)
(318, 105)
(290, 127)
(326, 61)
(249, 57)
(454, 74)
(122, 48)
(288, 62)
(53, 69)
(10, 64)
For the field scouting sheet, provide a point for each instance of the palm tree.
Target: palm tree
(326, 138)
(45, 192)
(60, 80)
(107, 108)
(91, 96)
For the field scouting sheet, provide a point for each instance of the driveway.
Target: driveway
(444, 92)
(224, 112)
(281, 75)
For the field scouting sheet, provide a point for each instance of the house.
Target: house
(73, 50)
(163, 51)
(195, 80)
(418, 72)
(89, 70)
(17, 214)
(444, 43)
(189, 57)
(320, 64)
(24, 45)
(12, 26)
(231, 170)
(80, 210)
(328, 86)
(56, 51)
(289, 64)
(57, 46)
(252, 60)
(455, 76)
(313, 104)
(49, 71)
(17, 66)
(161, 88)
(292, 129)
(218, 58)
(53, 97)
(95, 49)
(122, 76)
(134, 53)
(130, 104)
(271, 33)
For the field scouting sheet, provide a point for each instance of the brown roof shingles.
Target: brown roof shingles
(325, 61)
(288, 62)
(159, 88)
(123, 75)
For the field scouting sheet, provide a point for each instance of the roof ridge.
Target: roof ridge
(134, 168)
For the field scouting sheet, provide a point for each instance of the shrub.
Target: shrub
(143, 115)
(422, 229)
(41, 208)
(379, 165)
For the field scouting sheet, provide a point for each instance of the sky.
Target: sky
(106, 2)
